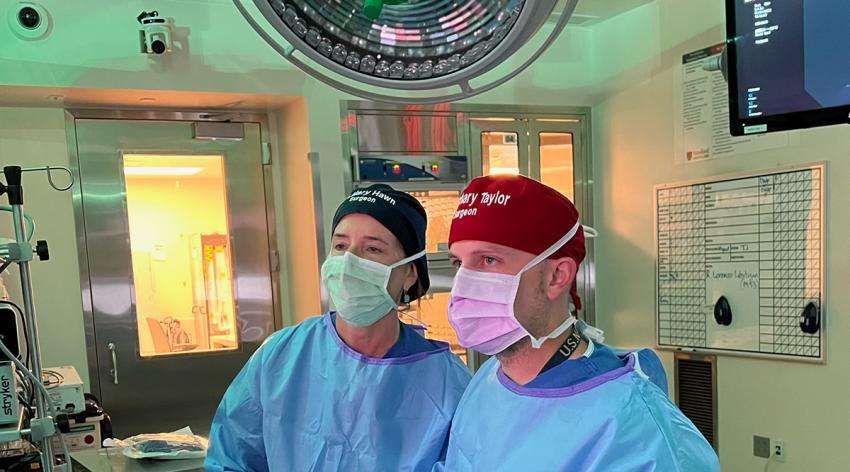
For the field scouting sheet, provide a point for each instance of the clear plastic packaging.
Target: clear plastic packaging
(181, 444)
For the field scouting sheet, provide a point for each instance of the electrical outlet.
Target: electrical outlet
(779, 450)
(761, 447)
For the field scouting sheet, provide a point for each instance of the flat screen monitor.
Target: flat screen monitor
(788, 64)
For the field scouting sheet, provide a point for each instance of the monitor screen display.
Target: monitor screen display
(788, 64)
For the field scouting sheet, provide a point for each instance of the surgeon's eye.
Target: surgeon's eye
(488, 261)
(339, 247)
(456, 263)
(374, 250)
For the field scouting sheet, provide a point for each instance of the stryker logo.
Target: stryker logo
(7, 394)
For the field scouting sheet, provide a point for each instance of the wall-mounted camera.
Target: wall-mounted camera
(155, 34)
(29, 20)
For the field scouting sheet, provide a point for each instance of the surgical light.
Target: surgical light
(407, 51)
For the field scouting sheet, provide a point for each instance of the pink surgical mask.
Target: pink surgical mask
(481, 307)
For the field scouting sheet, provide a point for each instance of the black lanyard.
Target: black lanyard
(566, 350)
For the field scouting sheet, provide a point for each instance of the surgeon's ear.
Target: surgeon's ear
(563, 273)
(412, 276)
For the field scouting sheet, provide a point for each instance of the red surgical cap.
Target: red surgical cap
(520, 213)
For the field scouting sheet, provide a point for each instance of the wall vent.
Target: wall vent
(696, 392)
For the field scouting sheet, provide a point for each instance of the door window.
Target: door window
(181, 253)
(556, 162)
(500, 152)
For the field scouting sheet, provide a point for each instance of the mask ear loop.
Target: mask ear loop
(405, 296)
(407, 260)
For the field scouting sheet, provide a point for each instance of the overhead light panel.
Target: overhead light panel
(162, 171)
(406, 51)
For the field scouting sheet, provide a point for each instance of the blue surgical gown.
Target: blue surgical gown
(307, 402)
(602, 359)
(616, 421)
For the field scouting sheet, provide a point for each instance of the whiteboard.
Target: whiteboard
(756, 240)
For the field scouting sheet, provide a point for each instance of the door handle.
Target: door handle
(114, 370)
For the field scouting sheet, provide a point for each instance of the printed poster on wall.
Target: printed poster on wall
(702, 108)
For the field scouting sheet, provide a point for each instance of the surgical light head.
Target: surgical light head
(403, 50)
(372, 8)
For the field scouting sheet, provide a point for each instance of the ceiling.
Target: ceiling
(588, 12)
(593, 11)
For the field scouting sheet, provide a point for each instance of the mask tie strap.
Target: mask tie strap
(553, 248)
(537, 343)
(407, 260)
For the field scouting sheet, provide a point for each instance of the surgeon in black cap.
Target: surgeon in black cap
(376, 263)
(393, 218)
(355, 389)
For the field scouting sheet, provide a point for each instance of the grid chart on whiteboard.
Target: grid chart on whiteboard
(758, 237)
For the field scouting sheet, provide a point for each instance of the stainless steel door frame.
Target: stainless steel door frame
(254, 291)
(482, 109)
(160, 115)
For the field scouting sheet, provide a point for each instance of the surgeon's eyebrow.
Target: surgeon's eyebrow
(367, 237)
(486, 253)
(487, 250)
(375, 238)
(490, 249)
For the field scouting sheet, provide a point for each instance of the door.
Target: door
(178, 260)
(548, 149)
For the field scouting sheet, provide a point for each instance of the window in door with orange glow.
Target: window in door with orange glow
(500, 152)
(181, 255)
(556, 162)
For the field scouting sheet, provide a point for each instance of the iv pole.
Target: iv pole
(21, 252)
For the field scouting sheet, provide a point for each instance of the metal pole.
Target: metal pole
(33, 347)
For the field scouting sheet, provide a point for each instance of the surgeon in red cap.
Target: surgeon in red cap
(554, 397)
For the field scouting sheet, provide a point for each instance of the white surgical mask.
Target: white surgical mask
(358, 287)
